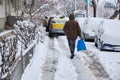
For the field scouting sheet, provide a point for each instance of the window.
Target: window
(58, 21)
(1, 2)
(15, 4)
(109, 5)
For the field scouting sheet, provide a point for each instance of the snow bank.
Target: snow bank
(33, 70)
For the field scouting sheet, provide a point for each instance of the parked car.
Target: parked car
(80, 14)
(56, 26)
(89, 27)
(107, 35)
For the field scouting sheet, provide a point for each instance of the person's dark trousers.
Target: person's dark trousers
(47, 28)
(72, 47)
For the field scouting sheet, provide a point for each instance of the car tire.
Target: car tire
(55, 35)
(96, 45)
(100, 46)
(84, 37)
(50, 35)
(95, 40)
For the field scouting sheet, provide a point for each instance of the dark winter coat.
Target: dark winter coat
(72, 28)
(45, 22)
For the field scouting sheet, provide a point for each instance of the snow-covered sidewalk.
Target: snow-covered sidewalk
(33, 70)
(52, 61)
(55, 66)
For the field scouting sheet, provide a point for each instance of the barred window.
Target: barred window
(15, 4)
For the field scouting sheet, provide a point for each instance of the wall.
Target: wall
(2, 14)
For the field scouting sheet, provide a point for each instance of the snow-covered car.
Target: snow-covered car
(89, 27)
(107, 35)
(56, 26)
(80, 14)
(80, 21)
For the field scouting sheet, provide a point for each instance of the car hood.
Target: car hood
(110, 39)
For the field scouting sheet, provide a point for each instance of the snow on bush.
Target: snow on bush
(20, 39)
(7, 55)
(25, 32)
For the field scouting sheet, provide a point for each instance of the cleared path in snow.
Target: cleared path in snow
(86, 65)
(49, 67)
(57, 47)
(83, 72)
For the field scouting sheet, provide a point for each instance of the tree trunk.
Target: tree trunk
(117, 11)
(94, 8)
(114, 14)
(119, 14)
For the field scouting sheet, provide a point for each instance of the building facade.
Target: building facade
(10, 8)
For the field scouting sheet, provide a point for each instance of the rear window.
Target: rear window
(79, 15)
(58, 21)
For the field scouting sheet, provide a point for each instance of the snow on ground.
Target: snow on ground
(63, 68)
(83, 73)
(33, 70)
(109, 60)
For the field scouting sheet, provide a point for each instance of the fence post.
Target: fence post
(21, 56)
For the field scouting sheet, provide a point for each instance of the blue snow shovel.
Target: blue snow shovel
(81, 45)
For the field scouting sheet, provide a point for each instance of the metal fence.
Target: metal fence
(20, 64)
(12, 68)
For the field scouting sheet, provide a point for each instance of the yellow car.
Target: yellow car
(56, 26)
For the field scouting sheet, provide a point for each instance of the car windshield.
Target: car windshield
(58, 21)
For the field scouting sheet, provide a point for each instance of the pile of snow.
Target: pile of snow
(33, 70)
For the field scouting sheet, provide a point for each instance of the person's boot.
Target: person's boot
(72, 55)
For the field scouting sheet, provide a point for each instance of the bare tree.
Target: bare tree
(94, 8)
(38, 7)
(115, 14)
(117, 11)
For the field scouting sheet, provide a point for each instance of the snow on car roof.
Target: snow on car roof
(91, 23)
(95, 20)
(111, 24)
(111, 27)
(111, 31)
(59, 20)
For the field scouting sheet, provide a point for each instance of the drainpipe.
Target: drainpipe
(5, 11)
